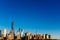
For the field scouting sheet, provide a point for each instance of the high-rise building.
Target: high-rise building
(0, 33)
(46, 36)
(4, 32)
(18, 32)
(43, 36)
(49, 36)
(22, 33)
(12, 25)
(12, 28)
(11, 34)
(18, 35)
(26, 37)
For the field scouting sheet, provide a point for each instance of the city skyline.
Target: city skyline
(21, 35)
(34, 32)
(42, 16)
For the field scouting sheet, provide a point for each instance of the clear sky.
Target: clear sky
(42, 16)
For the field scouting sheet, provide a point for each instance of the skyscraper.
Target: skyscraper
(18, 35)
(0, 33)
(46, 36)
(22, 33)
(4, 32)
(11, 34)
(49, 36)
(12, 25)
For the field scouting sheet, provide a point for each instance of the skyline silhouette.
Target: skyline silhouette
(42, 16)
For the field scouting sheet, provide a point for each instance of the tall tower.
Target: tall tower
(19, 29)
(22, 33)
(12, 25)
(5, 32)
(12, 31)
(0, 33)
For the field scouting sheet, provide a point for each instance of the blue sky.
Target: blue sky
(42, 16)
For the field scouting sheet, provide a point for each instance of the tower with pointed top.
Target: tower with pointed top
(12, 25)
(19, 29)
(0, 33)
(11, 35)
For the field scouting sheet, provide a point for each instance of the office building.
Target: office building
(4, 33)
(18, 35)
(22, 33)
(46, 36)
(49, 36)
(12, 27)
(0, 33)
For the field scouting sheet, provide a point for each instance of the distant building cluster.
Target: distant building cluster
(21, 35)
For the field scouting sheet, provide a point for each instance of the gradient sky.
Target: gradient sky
(42, 16)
